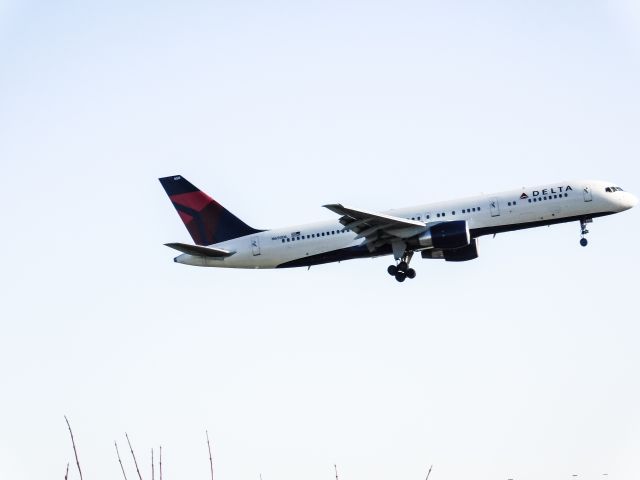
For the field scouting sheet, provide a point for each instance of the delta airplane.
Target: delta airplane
(444, 230)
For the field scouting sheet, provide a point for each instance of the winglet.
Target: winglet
(335, 208)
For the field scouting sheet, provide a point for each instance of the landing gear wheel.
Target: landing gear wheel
(400, 276)
(402, 271)
(584, 231)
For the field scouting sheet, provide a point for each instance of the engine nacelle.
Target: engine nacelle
(469, 252)
(446, 235)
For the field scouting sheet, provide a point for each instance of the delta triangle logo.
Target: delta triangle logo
(524, 196)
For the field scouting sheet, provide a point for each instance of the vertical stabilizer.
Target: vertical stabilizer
(207, 221)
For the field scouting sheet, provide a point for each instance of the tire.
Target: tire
(584, 242)
(400, 276)
(411, 273)
(392, 270)
(402, 266)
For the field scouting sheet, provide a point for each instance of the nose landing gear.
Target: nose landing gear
(583, 231)
(402, 270)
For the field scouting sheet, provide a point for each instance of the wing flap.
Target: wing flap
(371, 218)
(376, 227)
(200, 251)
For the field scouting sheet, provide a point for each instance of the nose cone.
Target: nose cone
(628, 201)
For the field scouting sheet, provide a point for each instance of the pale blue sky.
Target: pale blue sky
(522, 364)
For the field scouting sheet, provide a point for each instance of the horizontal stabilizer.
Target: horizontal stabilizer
(200, 251)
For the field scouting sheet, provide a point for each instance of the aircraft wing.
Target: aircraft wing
(200, 251)
(376, 228)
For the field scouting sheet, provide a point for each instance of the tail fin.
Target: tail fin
(208, 222)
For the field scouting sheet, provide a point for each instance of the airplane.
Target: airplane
(444, 230)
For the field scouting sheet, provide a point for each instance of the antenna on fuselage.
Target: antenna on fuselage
(429, 472)
(336, 469)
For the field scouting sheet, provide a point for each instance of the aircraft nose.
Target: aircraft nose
(629, 200)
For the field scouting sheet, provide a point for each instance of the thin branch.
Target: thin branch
(134, 456)
(120, 461)
(160, 462)
(74, 446)
(66, 475)
(210, 458)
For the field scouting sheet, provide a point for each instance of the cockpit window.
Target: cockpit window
(613, 189)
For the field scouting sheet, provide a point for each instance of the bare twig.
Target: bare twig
(210, 458)
(153, 475)
(134, 456)
(120, 461)
(74, 446)
(66, 475)
(160, 462)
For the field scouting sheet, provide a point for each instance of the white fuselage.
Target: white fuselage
(320, 242)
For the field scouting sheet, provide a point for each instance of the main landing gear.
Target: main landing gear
(583, 231)
(402, 270)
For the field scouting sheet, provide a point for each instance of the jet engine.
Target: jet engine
(463, 254)
(446, 235)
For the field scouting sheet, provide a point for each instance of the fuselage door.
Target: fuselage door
(495, 207)
(255, 245)
(587, 194)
